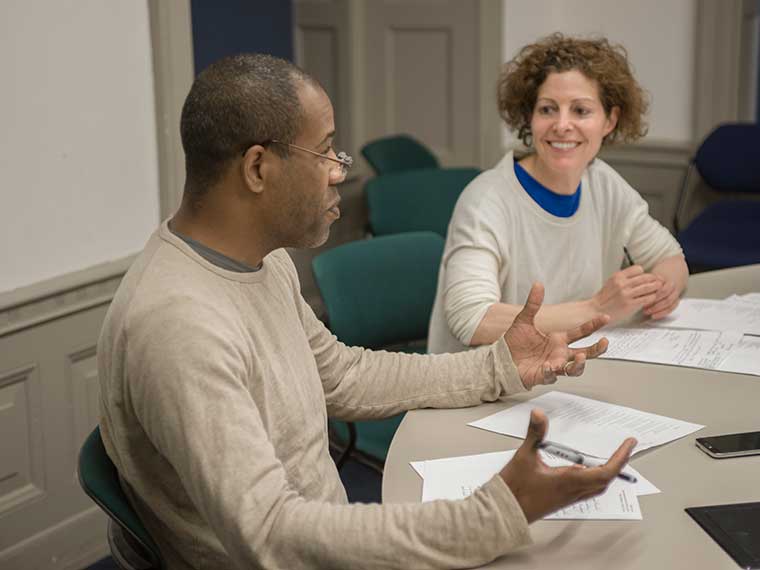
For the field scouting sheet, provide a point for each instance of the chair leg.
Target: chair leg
(682, 195)
(123, 552)
(351, 452)
(350, 446)
(368, 460)
(344, 449)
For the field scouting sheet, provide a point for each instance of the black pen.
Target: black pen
(577, 457)
(628, 256)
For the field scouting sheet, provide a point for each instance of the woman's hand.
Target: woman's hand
(665, 302)
(626, 292)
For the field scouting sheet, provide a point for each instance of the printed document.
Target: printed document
(710, 314)
(744, 357)
(459, 477)
(728, 351)
(590, 426)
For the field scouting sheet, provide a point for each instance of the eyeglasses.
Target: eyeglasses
(343, 161)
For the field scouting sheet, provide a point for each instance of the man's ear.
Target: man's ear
(253, 161)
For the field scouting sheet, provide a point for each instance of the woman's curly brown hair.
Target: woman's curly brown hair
(597, 59)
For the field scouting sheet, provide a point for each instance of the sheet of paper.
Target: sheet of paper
(590, 426)
(744, 357)
(493, 462)
(709, 314)
(746, 298)
(459, 477)
(679, 347)
(728, 351)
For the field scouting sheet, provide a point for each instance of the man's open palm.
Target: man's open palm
(539, 357)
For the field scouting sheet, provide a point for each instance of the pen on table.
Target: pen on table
(577, 457)
(628, 256)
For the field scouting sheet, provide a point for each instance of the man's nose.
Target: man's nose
(337, 175)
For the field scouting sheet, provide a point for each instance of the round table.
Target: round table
(667, 537)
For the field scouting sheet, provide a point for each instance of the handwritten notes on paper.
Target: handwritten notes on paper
(679, 347)
(744, 357)
(727, 351)
(701, 333)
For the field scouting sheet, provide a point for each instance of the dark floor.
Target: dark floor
(362, 485)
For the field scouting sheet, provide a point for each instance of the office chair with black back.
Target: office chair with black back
(379, 293)
(727, 232)
(415, 200)
(397, 153)
(132, 548)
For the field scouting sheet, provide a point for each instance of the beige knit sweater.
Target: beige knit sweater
(215, 392)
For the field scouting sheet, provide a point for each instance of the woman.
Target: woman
(559, 215)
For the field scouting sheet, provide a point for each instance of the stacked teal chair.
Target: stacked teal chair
(415, 200)
(100, 481)
(397, 153)
(379, 293)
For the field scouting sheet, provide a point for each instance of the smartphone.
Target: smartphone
(730, 445)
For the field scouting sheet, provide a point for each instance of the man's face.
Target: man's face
(308, 204)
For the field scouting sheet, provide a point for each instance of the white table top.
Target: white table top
(667, 537)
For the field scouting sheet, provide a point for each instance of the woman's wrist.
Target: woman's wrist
(592, 306)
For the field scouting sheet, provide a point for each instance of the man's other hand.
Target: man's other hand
(540, 490)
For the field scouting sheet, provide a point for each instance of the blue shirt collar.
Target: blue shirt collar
(559, 205)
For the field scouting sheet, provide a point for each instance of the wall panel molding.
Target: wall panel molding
(22, 472)
(422, 73)
(491, 20)
(718, 59)
(60, 297)
(322, 38)
(83, 391)
(173, 73)
(647, 153)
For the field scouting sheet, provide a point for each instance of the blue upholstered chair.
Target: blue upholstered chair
(727, 232)
(397, 153)
(379, 293)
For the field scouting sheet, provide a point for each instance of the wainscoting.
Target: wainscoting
(49, 402)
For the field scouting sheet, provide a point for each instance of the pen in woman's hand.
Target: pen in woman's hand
(628, 257)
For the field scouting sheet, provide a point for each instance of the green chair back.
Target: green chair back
(397, 153)
(100, 481)
(379, 293)
(416, 200)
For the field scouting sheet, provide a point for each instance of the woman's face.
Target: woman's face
(569, 123)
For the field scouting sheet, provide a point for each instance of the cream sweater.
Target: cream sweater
(215, 392)
(500, 241)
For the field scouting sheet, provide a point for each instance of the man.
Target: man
(217, 378)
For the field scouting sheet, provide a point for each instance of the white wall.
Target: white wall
(659, 36)
(78, 159)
